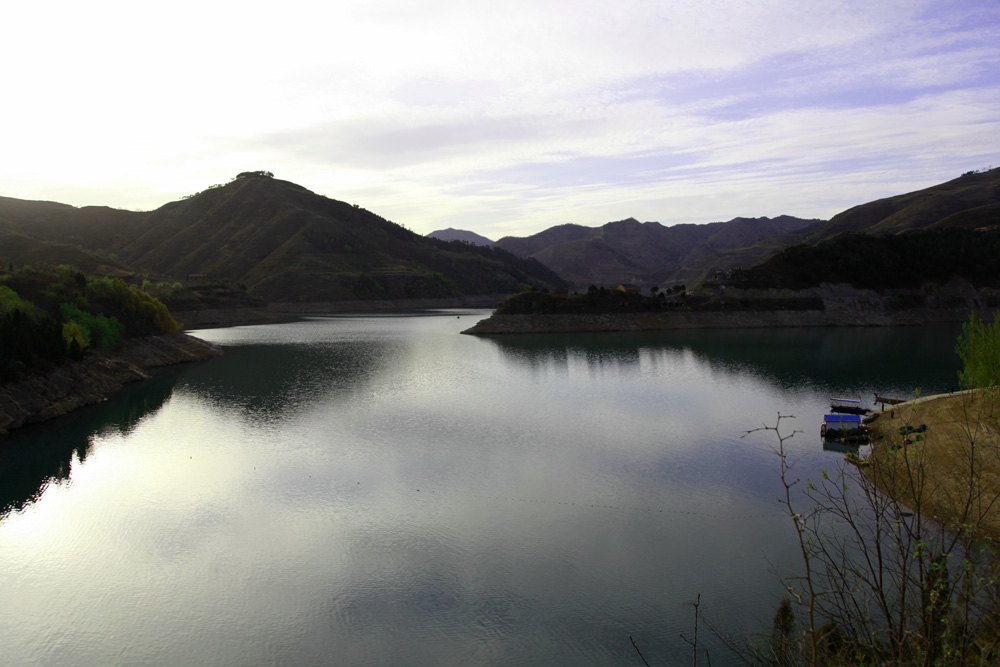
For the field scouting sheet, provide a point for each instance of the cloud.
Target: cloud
(505, 116)
(403, 143)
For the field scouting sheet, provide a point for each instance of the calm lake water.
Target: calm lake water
(380, 490)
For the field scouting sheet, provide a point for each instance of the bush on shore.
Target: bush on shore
(51, 315)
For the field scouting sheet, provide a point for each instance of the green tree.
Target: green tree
(96, 329)
(979, 349)
(146, 313)
(77, 339)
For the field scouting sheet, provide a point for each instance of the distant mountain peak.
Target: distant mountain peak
(281, 241)
(464, 235)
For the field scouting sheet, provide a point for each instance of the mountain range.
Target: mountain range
(282, 242)
(648, 253)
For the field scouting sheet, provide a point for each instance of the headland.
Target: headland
(42, 395)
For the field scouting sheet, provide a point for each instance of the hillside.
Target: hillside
(706, 266)
(649, 253)
(553, 236)
(974, 196)
(906, 260)
(282, 242)
(18, 248)
(947, 231)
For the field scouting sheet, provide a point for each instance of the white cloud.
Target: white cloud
(437, 113)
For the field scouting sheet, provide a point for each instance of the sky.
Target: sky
(504, 118)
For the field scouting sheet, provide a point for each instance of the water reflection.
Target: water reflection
(265, 382)
(35, 456)
(841, 360)
(392, 493)
(840, 447)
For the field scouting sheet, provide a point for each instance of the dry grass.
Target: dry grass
(950, 471)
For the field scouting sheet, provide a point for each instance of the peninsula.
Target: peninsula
(69, 340)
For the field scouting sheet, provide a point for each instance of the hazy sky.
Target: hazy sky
(503, 117)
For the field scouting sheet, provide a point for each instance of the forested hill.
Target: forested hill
(279, 240)
(906, 260)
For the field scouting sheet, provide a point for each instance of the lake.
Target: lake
(381, 490)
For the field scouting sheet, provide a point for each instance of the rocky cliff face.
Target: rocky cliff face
(42, 396)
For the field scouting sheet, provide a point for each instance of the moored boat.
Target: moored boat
(885, 400)
(847, 405)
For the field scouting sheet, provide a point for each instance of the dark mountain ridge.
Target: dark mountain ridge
(529, 245)
(286, 243)
(922, 208)
(908, 260)
(650, 254)
(464, 235)
(282, 241)
(647, 253)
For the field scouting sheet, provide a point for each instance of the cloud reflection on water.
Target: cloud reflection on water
(37, 455)
(391, 492)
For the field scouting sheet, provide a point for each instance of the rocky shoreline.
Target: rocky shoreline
(283, 312)
(42, 396)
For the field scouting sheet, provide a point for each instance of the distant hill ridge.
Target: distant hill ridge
(282, 241)
(650, 254)
(974, 195)
(647, 253)
(461, 235)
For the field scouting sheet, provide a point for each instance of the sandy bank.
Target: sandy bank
(950, 470)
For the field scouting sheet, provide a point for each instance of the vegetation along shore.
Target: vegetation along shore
(616, 309)
(898, 560)
(68, 340)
